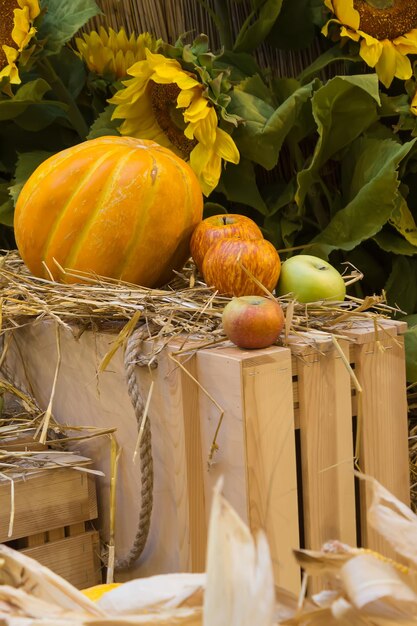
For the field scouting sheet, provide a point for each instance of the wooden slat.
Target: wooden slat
(75, 558)
(325, 421)
(47, 500)
(380, 368)
(256, 442)
(195, 463)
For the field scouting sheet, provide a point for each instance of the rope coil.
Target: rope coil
(134, 357)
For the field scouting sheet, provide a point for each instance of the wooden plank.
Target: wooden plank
(380, 368)
(75, 558)
(256, 454)
(46, 500)
(194, 459)
(326, 449)
(55, 534)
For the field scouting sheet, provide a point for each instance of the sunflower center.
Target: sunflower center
(6, 26)
(387, 23)
(169, 117)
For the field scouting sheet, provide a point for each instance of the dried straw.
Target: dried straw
(174, 310)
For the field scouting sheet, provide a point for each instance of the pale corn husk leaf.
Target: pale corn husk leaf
(186, 616)
(27, 605)
(26, 574)
(379, 590)
(165, 591)
(392, 519)
(240, 585)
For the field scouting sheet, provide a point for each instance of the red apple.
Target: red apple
(253, 321)
(218, 227)
(222, 266)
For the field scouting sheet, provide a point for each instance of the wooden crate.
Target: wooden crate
(286, 443)
(52, 509)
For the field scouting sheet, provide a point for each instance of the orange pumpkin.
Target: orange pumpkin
(120, 207)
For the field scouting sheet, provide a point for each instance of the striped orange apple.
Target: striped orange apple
(225, 260)
(218, 227)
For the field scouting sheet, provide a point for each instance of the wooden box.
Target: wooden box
(52, 509)
(286, 441)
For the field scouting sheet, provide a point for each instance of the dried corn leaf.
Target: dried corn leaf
(240, 587)
(393, 520)
(379, 591)
(156, 592)
(26, 574)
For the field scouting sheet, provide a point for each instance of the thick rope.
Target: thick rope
(133, 358)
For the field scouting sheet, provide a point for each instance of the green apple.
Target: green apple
(309, 279)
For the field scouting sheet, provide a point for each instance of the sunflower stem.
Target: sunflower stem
(74, 114)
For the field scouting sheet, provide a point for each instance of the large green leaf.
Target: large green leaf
(261, 137)
(62, 19)
(389, 241)
(370, 189)
(104, 125)
(343, 108)
(238, 184)
(401, 286)
(410, 341)
(29, 93)
(26, 165)
(6, 205)
(403, 221)
(253, 33)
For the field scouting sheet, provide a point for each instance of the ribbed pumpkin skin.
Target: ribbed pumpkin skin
(121, 207)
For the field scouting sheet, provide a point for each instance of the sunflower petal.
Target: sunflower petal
(225, 147)
(346, 13)
(370, 50)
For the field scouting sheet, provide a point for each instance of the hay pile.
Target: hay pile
(186, 305)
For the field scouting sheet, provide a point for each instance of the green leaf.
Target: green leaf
(252, 35)
(238, 184)
(71, 70)
(410, 343)
(62, 19)
(261, 137)
(403, 221)
(403, 293)
(39, 116)
(370, 188)
(6, 205)
(26, 165)
(7, 213)
(343, 108)
(289, 31)
(104, 125)
(332, 55)
(240, 65)
(29, 93)
(391, 242)
(213, 208)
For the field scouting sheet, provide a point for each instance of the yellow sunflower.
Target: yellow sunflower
(110, 53)
(165, 103)
(386, 35)
(16, 31)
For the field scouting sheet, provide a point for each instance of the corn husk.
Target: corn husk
(237, 589)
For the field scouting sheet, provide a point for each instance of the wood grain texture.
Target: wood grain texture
(46, 500)
(256, 454)
(75, 558)
(380, 367)
(325, 420)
